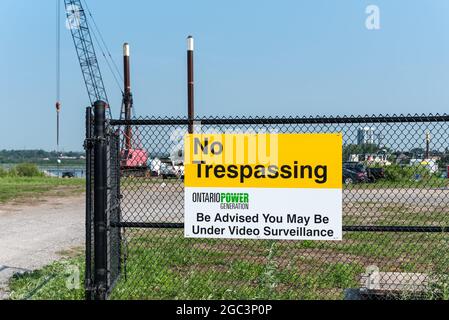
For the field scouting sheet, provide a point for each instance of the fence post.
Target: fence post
(88, 147)
(100, 194)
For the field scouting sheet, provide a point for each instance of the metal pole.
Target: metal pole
(58, 70)
(190, 82)
(127, 99)
(100, 190)
(88, 147)
(58, 112)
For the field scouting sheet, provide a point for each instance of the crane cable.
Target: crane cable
(100, 43)
(112, 65)
(58, 70)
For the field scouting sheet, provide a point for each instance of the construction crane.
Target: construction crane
(133, 158)
(78, 24)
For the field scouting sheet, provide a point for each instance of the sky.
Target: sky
(253, 58)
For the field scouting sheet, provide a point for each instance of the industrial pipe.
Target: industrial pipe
(127, 95)
(190, 82)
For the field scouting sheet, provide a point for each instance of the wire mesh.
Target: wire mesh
(113, 209)
(90, 258)
(395, 213)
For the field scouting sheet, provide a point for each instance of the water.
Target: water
(55, 171)
(79, 172)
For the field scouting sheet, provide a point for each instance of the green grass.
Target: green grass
(162, 264)
(50, 283)
(12, 188)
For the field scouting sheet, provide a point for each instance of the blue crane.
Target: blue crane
(78, 24)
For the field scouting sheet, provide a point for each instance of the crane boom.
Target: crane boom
(133, 158)
(79, 27)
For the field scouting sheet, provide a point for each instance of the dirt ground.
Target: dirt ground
(34, 233)
(146, 201)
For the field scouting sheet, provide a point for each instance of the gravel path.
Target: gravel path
(34, 234)
(164, 202)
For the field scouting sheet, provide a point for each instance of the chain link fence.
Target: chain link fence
(395, 214)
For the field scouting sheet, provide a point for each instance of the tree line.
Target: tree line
(35, 156)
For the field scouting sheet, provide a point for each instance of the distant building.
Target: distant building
(365, 136)
(379, 158)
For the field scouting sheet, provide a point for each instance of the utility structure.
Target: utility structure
(58, 72)
(134, 159)
(190, 82)
(127, 97)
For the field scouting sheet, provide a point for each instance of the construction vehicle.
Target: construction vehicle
(132, 158)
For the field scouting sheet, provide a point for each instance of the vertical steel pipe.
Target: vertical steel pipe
(100, 195)
(190, 82)
(127, 99)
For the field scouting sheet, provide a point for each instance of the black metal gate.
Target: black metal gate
(395, 214)
(103, 242)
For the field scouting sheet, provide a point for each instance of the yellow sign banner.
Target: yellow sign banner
(307, 161)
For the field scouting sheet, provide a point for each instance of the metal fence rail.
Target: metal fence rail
(395, 227)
